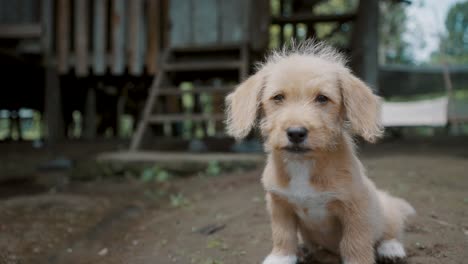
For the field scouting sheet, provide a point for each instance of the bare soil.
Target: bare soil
(49, 217)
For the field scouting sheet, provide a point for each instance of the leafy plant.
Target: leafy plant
(213, 168)
(178, 200)
(154, 173)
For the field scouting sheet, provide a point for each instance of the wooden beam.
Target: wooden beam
(206, 48)
(63, 35)
(20, 31)
(203, 65)
(310, 18)
(196, 90)
(163, 118)
(81, 37)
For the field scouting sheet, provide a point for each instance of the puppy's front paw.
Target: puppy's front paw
(391, 251)
(280, 259)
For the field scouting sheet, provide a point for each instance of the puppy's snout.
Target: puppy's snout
(296, 135)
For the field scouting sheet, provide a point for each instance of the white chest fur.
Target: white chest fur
(310, 204)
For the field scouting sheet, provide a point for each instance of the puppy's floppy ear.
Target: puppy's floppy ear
(243, 105)
(362, 107)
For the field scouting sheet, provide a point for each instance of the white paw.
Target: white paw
(391, 249)
(280, 259)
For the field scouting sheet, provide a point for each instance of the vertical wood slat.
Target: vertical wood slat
(81, 37)
(46, 23)
(204, 20)
(63, 35)
(153, 36)
(233, 18)
(165, 21)
(181, 30)
(99, 37)
(117, 35)
(134, 37)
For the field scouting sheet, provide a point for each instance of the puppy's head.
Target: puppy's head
(307, 98)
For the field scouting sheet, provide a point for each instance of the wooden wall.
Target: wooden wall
(208, 22)
(90, 37)
(116, 36)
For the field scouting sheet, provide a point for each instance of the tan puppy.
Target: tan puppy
(309, 105)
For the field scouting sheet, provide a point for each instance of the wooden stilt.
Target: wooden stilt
(53, 107)
(90, 121)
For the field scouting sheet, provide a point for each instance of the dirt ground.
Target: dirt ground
(49, 217)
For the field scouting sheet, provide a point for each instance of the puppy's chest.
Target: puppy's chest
(309, 203)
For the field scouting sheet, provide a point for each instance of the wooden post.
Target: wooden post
(53, 115)
(154, 27)
(63, 35)
(53, 107)
(90, 121)
(81, 37)
(364, 55)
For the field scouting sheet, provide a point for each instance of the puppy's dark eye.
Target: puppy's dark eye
(278, 98)
(322, 99)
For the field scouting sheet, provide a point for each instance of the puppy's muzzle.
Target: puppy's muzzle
(296, 135)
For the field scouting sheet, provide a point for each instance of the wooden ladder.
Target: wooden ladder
(164, 87)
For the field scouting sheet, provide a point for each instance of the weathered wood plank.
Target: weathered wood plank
(99, 36)
(163, 118)
(90, 117)
(63, 35)
(9, 12)
(181, 22)
(134, 37)
(196, 90)
(203, 65)
(311, 18)
(153, 35)
(205, 22)
(20, 31)
(26, 11)
(165, 21)
(47, 11)
(259, 31)
(81, 37)
(364, 43)
(118, 36)
(232, 21)
(53, 107)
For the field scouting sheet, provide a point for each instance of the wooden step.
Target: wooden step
(195, 90)
(203, 66)
(163, 118)
(311, 18)
(205, 49)
(21, 31)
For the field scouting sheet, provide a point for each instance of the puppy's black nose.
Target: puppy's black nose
(296, 134)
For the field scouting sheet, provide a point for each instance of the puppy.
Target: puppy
(309, 106)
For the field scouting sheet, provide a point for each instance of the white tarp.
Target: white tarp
(432, 112)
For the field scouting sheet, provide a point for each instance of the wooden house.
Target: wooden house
(75, 50)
